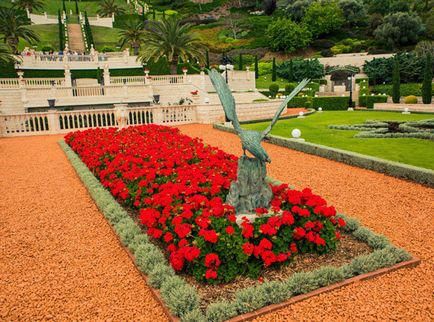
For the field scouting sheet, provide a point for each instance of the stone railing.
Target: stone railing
(128, 80)
(9, 83)
(167, 79)
(54, 122)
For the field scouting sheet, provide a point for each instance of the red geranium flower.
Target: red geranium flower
(230, 230)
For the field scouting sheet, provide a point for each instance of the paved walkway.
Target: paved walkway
(58, 256)
(60, 260)
(75, 37)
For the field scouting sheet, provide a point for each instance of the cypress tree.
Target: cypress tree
(240, 62)
(273, 75)
(256, 67)
(207, 59)
(153, 14)
(64, 7)
(164, 14)
(76, 7)
(61, 32)
(427, 80)
(396, 82)
(291, 72)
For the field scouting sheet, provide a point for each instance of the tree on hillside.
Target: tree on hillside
(6, 55)
(29, 4)
(297, 9)
(13, 26)
(288, 35)
(109, 7)
(133, 34)
(399, 28)
(323, 18)
(354, 12)
(172, 39)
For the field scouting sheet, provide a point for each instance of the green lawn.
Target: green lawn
(48, 34)
(91, 7)
(263, 82)
(104, 36)
(314, 129)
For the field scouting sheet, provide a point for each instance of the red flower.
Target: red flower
(210, 274)
(247, 230)
(177, 261)
(209, 235)
(248, 248)
(268, 230)
(341, 222)
(293, 248)
(298, 233)
(232, 218)
(191, 253)
(265, 244)
(287, 218)
(168, 237)
(182, 230)
(338, 235)
(230, 230)
(212, 260)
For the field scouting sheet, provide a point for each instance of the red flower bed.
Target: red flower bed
(179, 184)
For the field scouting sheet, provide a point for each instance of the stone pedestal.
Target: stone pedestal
(250, 191)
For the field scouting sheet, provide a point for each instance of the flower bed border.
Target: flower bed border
(391, 168)
(132, 239)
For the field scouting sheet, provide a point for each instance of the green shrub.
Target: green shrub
(290, 87)
(411, 99)
(276, 292)
(427, 80)
(406, 89)
(221, 311)
(352, 224)
(107, 49)
(180, 297)
(194, 316)
(147, 257)
(330, 102)
(264, 68)
(301, 283)
(159, 274)
(250, 299)
(328, 275)
(299, 101)
(274, 89)
(369, 101)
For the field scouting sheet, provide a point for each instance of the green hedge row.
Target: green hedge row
(368, 101)
(405, 89)
(325, 102)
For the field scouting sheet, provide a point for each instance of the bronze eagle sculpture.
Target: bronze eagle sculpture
(250, 140)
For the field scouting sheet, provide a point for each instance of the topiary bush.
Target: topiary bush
(330, 102)
(411, 99)
(274, 89)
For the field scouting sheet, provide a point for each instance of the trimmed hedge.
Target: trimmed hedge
(329, 103)
(369, 101)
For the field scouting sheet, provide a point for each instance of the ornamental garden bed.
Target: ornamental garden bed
(206, 266)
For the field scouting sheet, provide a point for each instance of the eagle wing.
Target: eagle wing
(282, 106)
(226, 97)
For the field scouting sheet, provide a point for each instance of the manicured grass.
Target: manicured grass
(104, 36)
(48, 34)
(91, 7)
(263, 82)
(315, 129)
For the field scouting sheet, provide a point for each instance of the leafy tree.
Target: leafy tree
(29, 4)
(424, 48)
(273, 70)
(6, 56)
(297, 9)
(427, 80)
(171, 39)
(323, 18)
(13, 26)
(399, 28)
(133, 34)
(287, 35)
(396, 82)
(384, 7)
(110, 7)
(354, 11)
(301, 68)
(269, 7)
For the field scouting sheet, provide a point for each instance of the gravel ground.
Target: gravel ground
(59, 259)
(401, 210)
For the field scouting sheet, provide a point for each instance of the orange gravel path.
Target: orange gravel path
(59, 259)
(401, 210)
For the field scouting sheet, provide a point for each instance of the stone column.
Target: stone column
(106, 75)
(184, 76)
(67, 73)
(53, 121)
(121, 113)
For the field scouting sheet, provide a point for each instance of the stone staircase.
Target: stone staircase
(75, 37)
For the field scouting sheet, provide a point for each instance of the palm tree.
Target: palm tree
(109, 7)
(13, 26)
(6, 55)
(171, 39)
(134, 34)
(29, 4)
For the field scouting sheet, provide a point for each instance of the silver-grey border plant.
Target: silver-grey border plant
(183, 299)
